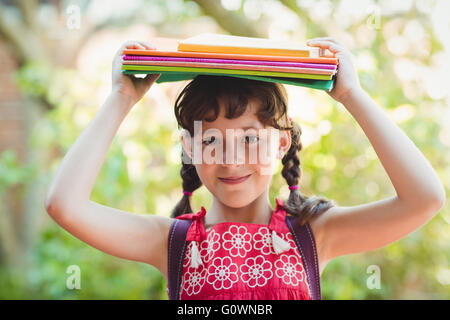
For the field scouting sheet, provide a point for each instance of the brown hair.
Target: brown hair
(200, 98)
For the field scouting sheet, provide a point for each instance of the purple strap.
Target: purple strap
(303, 238)
(177, 251)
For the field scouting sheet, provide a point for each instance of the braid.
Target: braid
(191, 182)
(297, 204)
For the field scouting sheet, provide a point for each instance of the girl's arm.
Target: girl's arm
(138, 237)
(420, 194)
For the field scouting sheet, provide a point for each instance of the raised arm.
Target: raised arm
(420, 193)
(138, 237)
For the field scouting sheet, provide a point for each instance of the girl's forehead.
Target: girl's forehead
(242, 122)
(248, 119)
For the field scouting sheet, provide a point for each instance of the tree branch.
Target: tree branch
(24, 41)
(230, 21)
(28, 10)
(312, 29)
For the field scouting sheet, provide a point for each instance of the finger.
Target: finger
(325, 45)
(148, 80)
(152, 77)
(148, 77)
(134, 45)
(148, 45)
(130, 44)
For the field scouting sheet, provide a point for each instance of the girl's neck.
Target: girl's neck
(259, 212)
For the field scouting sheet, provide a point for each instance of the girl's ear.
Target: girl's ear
(186, 142)
(285, 142)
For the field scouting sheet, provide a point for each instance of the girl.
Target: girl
(241, 248)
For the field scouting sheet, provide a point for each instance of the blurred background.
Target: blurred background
(55, 59)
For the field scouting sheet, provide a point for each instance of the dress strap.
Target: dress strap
(176, 253)
(277, 222)
(305, 241)
(197, 230)
(277, 225)
(196, 234)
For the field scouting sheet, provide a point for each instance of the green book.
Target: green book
(172, 76)
(229, 71)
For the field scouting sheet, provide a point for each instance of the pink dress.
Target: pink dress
(239, 261)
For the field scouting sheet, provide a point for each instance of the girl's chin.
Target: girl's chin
(237, 203)
(236, 198)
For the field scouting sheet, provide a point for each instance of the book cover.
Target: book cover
(220, 43)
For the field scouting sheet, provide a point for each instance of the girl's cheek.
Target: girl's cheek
(267, 159)
(266, 170)
(201, 171)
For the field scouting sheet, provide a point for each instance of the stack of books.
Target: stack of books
(225, 55)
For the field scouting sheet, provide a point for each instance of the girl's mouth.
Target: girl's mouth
(234, 180)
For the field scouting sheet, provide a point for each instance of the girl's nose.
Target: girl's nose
(233, 155)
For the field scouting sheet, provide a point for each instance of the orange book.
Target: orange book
(222, 43)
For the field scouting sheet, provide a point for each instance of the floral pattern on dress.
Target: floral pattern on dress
(210, 246)
(187, 261)
(263, 241)
(256, 271)
(289, 269)
(222, 273)
(238, 262)
(193, 280)
(237, 240)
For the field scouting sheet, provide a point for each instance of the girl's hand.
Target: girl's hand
(127, 85)
(347, 81)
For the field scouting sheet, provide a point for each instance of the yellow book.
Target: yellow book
(220, 43)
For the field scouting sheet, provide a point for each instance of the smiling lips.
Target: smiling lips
(234, 180)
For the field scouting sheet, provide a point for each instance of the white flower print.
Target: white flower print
(256, 271)
(237, 241)
(187, 259)
(263, 241)
(289, 269)
(291, 241)
(222, 273)
(193, 280)
(210, 245)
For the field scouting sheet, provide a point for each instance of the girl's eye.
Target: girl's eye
(208, 140)
(251, 139)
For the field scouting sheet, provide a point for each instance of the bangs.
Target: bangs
(203, 98)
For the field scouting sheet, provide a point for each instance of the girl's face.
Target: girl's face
(236, 148)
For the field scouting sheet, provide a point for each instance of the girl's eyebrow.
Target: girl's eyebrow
(247, 127)
(251, 127)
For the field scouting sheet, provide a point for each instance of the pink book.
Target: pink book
(230, 66)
